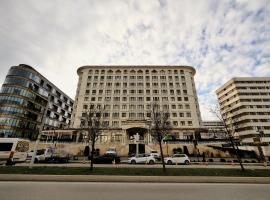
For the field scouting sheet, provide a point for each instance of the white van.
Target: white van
(13, 150)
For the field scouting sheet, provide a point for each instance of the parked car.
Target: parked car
(177, 159)
(13, 150)
(111, 151)
(142, 158)
(50, 155)
(155, 154)
(106, 159)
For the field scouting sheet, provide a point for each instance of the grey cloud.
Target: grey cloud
(221, 39)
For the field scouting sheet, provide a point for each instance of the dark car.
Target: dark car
(106, 159)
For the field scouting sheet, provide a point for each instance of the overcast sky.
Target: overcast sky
(221, 39)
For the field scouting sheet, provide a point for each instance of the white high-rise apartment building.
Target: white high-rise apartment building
(245, 103)
(127, 93)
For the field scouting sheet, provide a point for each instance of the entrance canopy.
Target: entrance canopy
(133, 131)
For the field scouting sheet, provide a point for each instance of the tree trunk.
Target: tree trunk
(92, 156)
(162, 156)
(235, 147)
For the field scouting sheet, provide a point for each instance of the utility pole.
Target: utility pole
(39, 134)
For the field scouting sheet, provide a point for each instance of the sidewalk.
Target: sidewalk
(149, 179)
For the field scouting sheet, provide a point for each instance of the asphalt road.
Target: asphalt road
(131, 191)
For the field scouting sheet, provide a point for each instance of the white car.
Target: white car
(111, 151)
(177, 159)
(13, 150)
(155, 154)
(142, 158)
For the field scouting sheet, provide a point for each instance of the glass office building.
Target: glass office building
(30, 103)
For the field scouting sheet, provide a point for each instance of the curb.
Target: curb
(134, 179)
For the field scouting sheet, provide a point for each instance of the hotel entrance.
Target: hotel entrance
(136, 137)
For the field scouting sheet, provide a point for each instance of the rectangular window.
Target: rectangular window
(116, 98)
(164, 98)
(115, 115)
(175, 123)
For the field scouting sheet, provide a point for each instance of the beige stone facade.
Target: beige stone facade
(127, 93)
(245, 103)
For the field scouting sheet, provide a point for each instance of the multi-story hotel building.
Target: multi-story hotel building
(30, 103)
(245, 106)
(127, 92)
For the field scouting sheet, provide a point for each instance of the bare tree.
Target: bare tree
(159, 127)
(91, 122)
(229, 125)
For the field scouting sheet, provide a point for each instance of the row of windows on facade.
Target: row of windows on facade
(245, 83)
(62, 104)
(250, 113)
(37, 79)
(237, 88)
(246, 122)
(25, 93)
(138, 107)
(29, 85)
(22, 102)
(56, 123)
(236, 118)
(19, 123)
(249, 107)
(28, 94)
(26, 84)
(118, 92)
(125, 71)
(253, 82)
(125, 78)
(18, 112)
(245, 100)
(254, 129)
(138, 84)
(118, 123)
(245, 94)
(141, 115)
(135, 99)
